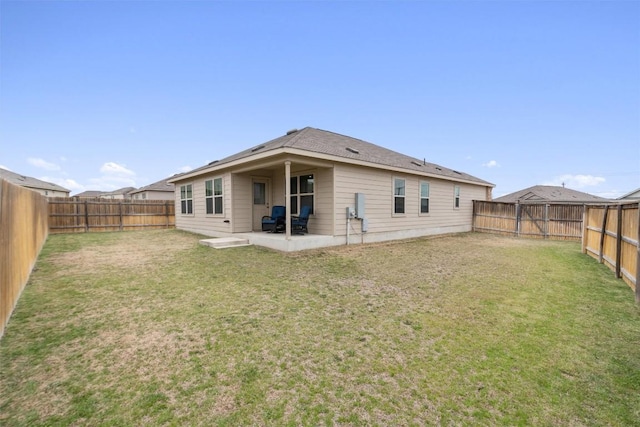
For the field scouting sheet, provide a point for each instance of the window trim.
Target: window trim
(299, 195)
(186, 199)
(214, 196)
(456, 197)
(394, 196)
(428, 198)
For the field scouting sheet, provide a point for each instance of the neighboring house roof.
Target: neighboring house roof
(119, 191)
(161, 185)
(549, 193)
(29, 182)
(635, 194)
(320, 143)
(90, 194)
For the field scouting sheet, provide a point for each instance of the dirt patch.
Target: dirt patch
(130, 251)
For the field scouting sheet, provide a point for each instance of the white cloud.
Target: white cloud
(67, 183)
(576, 181)
(111, 168)
(491, 164)
(43, 164)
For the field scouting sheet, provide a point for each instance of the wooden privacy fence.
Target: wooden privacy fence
(554, 221)
(612, 236)
(23, 231)
(70, 215)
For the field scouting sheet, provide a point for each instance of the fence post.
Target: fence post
(120, 213)
(637, 289)
(619, 244)
(603, 233)
(546, 221)
(584, 229)
(86, 216)
(517, 219)
(166, 212)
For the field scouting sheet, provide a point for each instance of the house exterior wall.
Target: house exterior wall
(199, 221)
(154, 195)
(383, 224)
(334, 191)
(50, 193)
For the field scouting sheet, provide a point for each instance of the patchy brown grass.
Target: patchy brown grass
(151, 328)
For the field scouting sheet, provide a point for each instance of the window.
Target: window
(398, 195)
(213, 196)
(302, 192)
(424, 197)
(144, 196)
(186, 199)
(456, 196)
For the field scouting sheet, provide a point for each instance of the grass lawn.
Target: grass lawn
(150, 328)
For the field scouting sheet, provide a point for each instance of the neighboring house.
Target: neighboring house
(121, 193)
(161, 190)
(90, 194)
(550, 194)
(634, 195)
(45, 188)
(391, 196)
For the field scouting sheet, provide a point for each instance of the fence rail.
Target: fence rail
(23, 231)
(70, 215)
(612, 236)
(544, 221)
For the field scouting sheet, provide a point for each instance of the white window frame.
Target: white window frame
(456, 197)
(295, 208)
(422, 197)
(214, 195)
(402, 196)
(184, 193)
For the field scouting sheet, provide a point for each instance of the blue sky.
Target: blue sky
(98, 95)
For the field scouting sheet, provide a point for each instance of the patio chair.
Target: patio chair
(299, 223)
(276, 221)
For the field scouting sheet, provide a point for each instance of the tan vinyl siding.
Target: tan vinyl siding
(242, 204)
(199, 221)
(377, 185)
(321, 222)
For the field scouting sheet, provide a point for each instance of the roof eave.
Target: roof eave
(321, 156)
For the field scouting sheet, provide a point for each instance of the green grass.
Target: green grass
(151, 328)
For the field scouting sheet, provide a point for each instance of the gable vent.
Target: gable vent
(352, 150)
(257, 148)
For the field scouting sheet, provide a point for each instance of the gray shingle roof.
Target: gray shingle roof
(161, 185)
(29, 182)
(89, 194)
(351, 149)
(120, 191)
(549, 193)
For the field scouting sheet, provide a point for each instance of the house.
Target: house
(121, 193)
(89, 194)
(161, 190)
(633, 195)
(550, 194)
(45, 188)
(358, 192)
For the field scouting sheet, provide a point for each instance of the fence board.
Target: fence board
(69, 215)
(23, 231)
(544, 221)
(613, 238)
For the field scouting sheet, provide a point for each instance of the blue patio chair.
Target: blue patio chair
(276, 221)
(299, 223)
